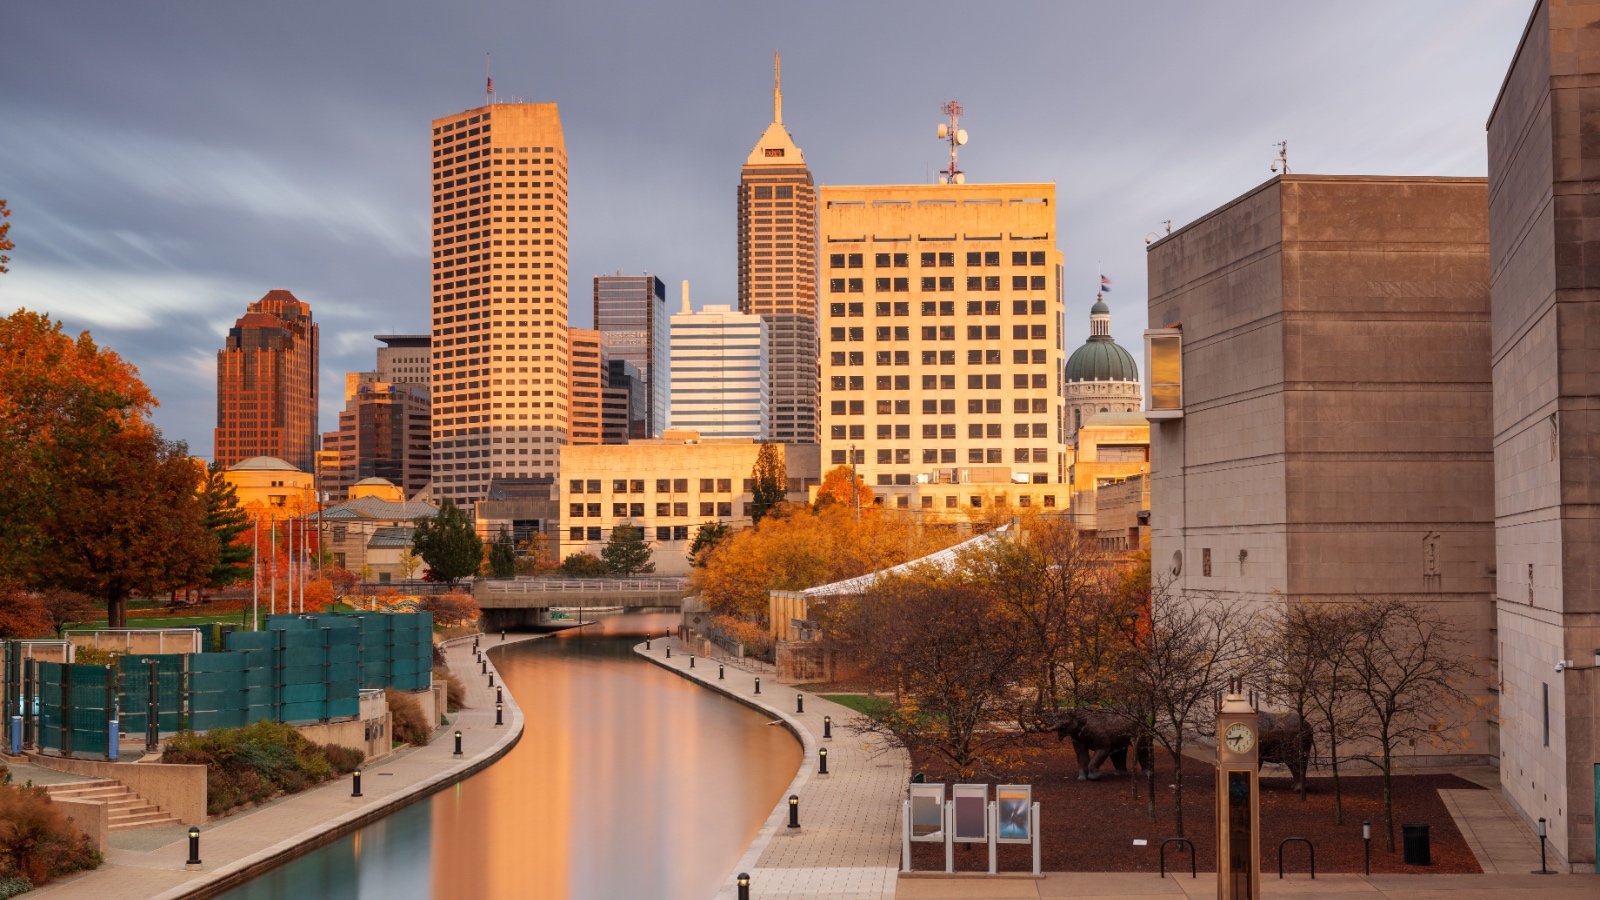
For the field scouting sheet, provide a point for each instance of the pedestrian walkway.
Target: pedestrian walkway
(240, 846)
(1498, 837)
(1144, 886)
(848, 844)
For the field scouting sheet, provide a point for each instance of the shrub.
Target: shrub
(407, 723)
(93, 656)
(11, 887)
(255, 763)
(37, 842)
(454, 608)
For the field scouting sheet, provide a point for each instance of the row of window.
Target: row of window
(939, 333)
(882, 308)
(663, 485)
(930, 284)
(936, 455)
(636, 510)
(929, 260)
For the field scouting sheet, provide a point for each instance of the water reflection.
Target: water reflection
(628, 782)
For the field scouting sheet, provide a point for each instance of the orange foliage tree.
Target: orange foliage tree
(835, 489)
(794, 552)
(95, 500)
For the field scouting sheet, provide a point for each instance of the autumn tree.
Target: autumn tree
(448, 544)
(584, 565)
(5, 238)
(454, 608)
(408, 565)
(769, 481)
(627, 553)
(502, 556)
(938, 642)
(1308, 672)
(22, 614)
(1178, 656)
(225, 519)
(1406, 672)
(836, 488)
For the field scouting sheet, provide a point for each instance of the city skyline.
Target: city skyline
(151, 201)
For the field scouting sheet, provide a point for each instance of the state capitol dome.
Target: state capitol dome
(1101, 376)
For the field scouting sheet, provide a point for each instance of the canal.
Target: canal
(629, 781)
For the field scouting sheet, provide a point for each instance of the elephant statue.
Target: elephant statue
(1286, 738)
(1098, 735)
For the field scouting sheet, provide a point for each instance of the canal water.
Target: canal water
(629, 782)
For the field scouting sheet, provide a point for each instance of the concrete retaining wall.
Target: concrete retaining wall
(91, 818)
(180, 791)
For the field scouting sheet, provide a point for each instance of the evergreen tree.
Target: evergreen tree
(227, 521)
(627, 553)
(768, 480)
(502, 556)
(447, 543)
(705, 540)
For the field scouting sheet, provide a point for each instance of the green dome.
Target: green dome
(1101, 359)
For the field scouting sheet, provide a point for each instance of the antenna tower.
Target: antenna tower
(951, 130)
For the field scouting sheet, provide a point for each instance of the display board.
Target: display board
(1014, 824)
(971, 812)
(927, 812)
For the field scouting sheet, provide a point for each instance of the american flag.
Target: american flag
(1105, 283)
(489, 86)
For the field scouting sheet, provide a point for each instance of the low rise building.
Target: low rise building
(1110, 446)
(363, 535)
(669, 487)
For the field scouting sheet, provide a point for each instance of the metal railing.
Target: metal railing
(1309, 846)
(529, 585)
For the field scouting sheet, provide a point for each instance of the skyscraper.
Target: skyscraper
(719, 372)
(942, 353)
(778, 272)
(630, 312)
(588, 379)
(499, 348)
(383, 433)
(403, 358)
(267, 384)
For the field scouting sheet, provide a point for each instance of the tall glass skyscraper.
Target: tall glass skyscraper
(630, 312)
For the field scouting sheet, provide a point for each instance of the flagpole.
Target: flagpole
(255, 575)
(272, 585)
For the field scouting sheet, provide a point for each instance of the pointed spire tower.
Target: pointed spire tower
(778, 270)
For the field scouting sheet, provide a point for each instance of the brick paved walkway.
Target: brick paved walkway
(1144, 886)
(263, 837)
(848, 843)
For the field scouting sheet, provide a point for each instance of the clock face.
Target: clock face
(1239, 738)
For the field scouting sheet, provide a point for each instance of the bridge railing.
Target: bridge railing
(527, 585)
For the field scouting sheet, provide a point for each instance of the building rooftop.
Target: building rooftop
(262, 464)
(374, 508)
(1101, 359)
(394, 537)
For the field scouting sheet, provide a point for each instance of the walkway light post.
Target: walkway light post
(719, 671)
(827, 728)
(794, 811)
(499, 708)
(1366, 846)
(194, 846)
(800, 704)
(669, 653)
(744, 886)
(691, 660)
(1543, 869)
(499, 695)
(355, 783)
(758, 684)
(822, 761)
(458, 742)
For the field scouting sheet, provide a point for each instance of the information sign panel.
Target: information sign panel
(972, 819)
(1013, 802)
(927, 812)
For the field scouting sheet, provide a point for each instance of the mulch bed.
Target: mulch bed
(1090, 826)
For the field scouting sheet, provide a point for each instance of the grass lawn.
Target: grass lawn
(873, 707)
(237, 617)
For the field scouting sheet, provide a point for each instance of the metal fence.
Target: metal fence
(299, 669)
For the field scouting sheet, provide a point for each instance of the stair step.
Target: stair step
(150, 821)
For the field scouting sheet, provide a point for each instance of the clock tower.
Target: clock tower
(1238, 797)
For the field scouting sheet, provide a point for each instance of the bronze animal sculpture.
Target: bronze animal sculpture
(1286, 739)
(1098, 735)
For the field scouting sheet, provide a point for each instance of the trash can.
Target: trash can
(1416, 848)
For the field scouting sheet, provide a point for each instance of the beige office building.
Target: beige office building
(942, 344)
(499, 337)
(778, 273)
(669, 487)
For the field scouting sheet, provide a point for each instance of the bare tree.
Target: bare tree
(1177, 659)
(1405, 668)
(1307, 672)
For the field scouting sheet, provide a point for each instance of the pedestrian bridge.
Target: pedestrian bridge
(526, 602)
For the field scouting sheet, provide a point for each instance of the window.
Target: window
(680, 485)
(663, 532)
(1163, 355)
(594, 532)
(663, 510)
(636, 486)
(619, 510)
(1049, 499)
(680, 509)
(636, 510)
(725, 509)
(950, 501)
(708, 509)
(663, 485)
(707, 485)
(577, 486)
(593, 486)
(575, 511)
(576, 533)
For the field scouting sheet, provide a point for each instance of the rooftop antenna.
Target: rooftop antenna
(777, 89)
(488, 80)
(1152, 237)
(1283, 158)
(952, 131)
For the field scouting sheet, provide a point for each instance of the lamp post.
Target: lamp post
(1366, 846)
(1543, 869)
(194, 847)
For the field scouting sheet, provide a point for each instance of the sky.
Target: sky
(168, 162)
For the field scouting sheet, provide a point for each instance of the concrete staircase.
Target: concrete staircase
(127, 810)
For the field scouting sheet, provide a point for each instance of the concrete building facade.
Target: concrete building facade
(942, 343)
(719, 372)
(1544, 150)
(267, 384)
(1110, 447)
(383, 433)
(588, 377)
(1328, 438)
(404, 358)
(778, 272)
(630, 312)
(499, 325)
(669, 487)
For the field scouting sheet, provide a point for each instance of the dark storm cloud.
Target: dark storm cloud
(170, 162)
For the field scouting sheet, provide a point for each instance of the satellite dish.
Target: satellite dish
(944, 131)
(961, 178)
(944, 179)
(961, 135)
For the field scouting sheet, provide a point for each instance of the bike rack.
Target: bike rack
(1309, 846)
(1194, 871)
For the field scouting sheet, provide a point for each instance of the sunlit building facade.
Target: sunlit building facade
(267, 384)
(942, 344)
(630, 312)
(499, 329)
